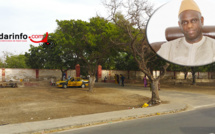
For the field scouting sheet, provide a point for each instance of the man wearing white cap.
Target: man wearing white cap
(194, 48)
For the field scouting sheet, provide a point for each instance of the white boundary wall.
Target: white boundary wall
(30, 74)
(138, 75)
(47, 74)
(17, 74)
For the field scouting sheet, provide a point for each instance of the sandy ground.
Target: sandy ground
(45, 102)
(204, 88)
(41, 101)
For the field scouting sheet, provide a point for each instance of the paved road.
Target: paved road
(199, 121)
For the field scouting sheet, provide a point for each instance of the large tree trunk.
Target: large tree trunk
(193, 76)
(91, 83)
(185, 75)
(155, 95)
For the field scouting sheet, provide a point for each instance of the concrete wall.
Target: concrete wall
(46, 74)
(17, 74)
(138, 75)
(180, 75)
(213, 75)
(133, 75)
(156, 74)
(202, 75)
(107, 74)
(71, 73)
(30, 74)
(169, 75)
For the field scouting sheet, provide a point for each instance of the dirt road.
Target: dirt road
(40, 101)
(45, 102)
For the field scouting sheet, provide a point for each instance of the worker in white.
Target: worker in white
(193, 49)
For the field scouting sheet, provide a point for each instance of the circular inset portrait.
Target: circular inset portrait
(183, 32)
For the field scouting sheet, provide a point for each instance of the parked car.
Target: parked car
(73, 82)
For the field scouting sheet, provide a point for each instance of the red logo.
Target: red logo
(44, 40)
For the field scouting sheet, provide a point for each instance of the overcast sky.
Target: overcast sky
(39, 16)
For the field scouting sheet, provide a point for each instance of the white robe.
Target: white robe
(181, 52)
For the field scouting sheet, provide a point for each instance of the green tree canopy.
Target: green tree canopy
(126, 61)
(16, 61)
(2, 64)
(35, 57)
(90, 41)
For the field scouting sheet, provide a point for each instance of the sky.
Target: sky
(38, 17)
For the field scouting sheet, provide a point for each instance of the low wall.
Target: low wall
(16, 74)
(132, 75)
(46, 74)
(180, 75)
